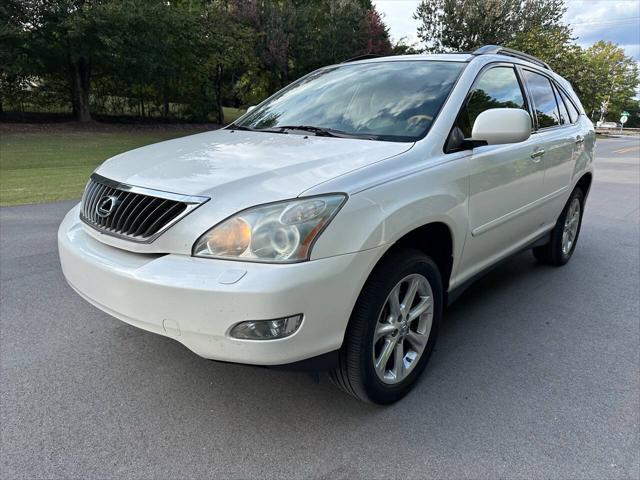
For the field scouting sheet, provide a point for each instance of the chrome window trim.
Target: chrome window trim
(191, 201)
(562, 91)
(557, 85)
(485, 68)
(553, 83)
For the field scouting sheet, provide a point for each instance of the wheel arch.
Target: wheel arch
(584, 183)
(435, 239)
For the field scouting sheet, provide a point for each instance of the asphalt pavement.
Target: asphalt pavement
(536, 374)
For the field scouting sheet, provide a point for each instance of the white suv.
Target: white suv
(328, 227)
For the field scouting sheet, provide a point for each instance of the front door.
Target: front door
(505, 181)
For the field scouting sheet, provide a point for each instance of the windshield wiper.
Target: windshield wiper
(241, 127)
(326, 132)
(318, 131)
(251, 129)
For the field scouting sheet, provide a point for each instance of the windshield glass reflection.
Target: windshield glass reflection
(395, 100)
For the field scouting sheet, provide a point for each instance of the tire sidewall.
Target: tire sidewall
(577, 193)
(390, 273)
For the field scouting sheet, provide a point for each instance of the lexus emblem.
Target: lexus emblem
(106, 205)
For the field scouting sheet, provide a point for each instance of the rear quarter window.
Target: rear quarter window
(572, 110)
(565, 118)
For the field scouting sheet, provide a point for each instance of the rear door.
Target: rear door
(557, 137)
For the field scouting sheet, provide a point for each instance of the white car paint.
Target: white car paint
(494, 200)
(223, 164)
(498, 126)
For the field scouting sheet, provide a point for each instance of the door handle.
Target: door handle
(536, 156)
(579, 140)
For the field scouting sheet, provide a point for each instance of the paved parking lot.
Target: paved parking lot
(536, 374)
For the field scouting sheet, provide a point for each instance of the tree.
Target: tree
(294, 37)
(174, 57)
(64, 42)
(601, 73)
(554, 45)
(464, 25)
(327, 32)
(150, 72)
(606, 76)
(274, 25)
(11, 59)
(402, 47)
(632, 106)
(225, 48)
(375, 34)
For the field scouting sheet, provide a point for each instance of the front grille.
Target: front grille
(135, 213)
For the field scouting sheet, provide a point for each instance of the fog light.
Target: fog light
(267, 329)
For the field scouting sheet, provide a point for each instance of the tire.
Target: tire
(558, 252)
(373, 315)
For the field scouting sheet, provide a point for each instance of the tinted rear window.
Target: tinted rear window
(564, 113)
(544, 100)
(573, 112)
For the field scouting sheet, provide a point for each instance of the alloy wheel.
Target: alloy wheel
(571, 224)
(403, 328)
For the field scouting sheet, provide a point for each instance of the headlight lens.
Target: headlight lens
(277, 232)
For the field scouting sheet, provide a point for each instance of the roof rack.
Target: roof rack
(498, 50)
(362, 57)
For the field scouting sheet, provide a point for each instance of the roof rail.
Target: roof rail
(362, 57)
(498, 50)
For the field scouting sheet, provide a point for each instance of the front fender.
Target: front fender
(383, 214)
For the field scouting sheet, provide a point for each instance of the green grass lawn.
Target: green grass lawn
(232, 114)
(54, 165)
(45, 164)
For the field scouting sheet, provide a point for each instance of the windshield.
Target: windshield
(395, 101)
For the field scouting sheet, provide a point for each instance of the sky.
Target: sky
(617, 21)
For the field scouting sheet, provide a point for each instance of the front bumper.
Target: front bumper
(196, 301)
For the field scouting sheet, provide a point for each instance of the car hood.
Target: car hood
(271, 165)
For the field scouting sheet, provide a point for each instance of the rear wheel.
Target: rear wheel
(392, 330)
(564, 235)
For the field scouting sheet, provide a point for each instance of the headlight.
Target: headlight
(276, 232)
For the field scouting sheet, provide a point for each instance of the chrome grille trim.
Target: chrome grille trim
(141, 214)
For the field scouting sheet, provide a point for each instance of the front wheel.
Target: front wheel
(392, 330)
(564, 236)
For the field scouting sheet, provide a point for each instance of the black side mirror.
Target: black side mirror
(456, 141)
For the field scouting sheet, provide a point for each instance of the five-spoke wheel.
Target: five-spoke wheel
(571, 223)
(393, 328)
(403, 328)
(564, 235)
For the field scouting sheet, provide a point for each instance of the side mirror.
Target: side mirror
(250, 108)
(497, 126)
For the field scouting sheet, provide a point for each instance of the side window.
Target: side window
(496, 88)
(573, 111)
(544, 101)
(565, 119)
